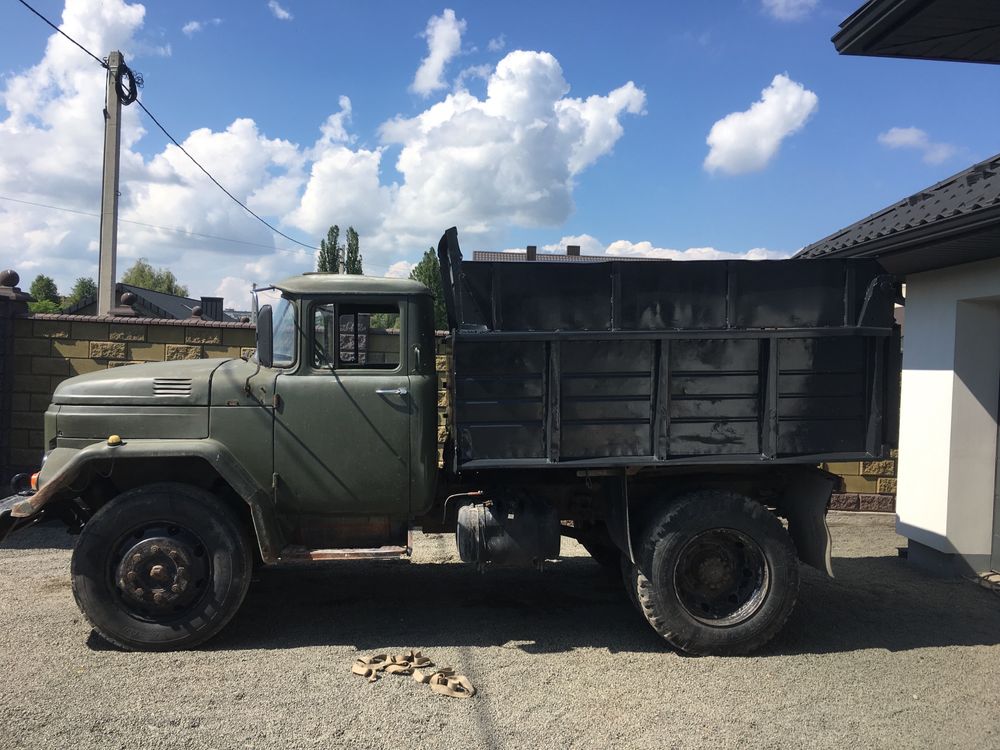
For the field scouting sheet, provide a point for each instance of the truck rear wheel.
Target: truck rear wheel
(717, 574)
(161, 567)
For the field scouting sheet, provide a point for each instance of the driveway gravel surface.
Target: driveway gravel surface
(881, 656)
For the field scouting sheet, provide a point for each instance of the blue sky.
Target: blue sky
(840, 138)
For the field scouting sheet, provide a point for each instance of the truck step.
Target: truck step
(302, 554)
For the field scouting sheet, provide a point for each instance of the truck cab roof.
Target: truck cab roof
(341, 283)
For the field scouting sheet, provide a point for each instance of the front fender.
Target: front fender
(64, 466)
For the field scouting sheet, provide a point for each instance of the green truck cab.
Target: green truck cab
(668, 449)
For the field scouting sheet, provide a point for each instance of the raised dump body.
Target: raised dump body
(658, 362)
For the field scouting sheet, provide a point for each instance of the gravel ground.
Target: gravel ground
(882, 656)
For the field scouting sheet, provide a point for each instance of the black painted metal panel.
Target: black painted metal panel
(714, 396)
(769, 295)
(606, 387)
(656, 296)
(499, 392)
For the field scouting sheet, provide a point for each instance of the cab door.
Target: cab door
(342, 418)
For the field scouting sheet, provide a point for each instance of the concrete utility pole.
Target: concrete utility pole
(109, 197)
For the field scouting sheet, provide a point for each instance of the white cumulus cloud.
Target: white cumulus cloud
(193, 27)
(497, 43)
(400, 269)
(510, 157)
(747, 141)
(444, 41)
(590, 245)
(915, 139)
(648, 250)
(278, 11)
(789, 10)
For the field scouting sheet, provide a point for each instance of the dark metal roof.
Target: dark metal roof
(148, 302)
(955, 221)
(958, 30)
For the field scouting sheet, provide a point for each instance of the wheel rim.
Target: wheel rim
(721, 577)
(160, 572)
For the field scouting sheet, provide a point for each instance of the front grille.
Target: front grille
(176, 387)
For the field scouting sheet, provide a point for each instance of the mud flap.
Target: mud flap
(804, 504)
(7, 522)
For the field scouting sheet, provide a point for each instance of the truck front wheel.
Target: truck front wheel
(161, 567)
(717, 574)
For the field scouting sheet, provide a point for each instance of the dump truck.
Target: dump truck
(669, 416)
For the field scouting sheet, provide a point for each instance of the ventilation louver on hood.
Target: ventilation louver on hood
(176, 387)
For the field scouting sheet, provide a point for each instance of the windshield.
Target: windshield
(284, 333)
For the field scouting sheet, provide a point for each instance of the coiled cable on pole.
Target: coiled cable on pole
(127, 84)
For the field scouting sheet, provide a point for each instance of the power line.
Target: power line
(218, 184)
(139, 223)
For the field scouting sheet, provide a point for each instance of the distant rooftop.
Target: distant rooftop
(153, 304)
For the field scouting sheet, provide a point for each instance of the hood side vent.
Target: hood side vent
(176, 387)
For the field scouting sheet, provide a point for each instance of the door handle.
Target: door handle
(391, 391)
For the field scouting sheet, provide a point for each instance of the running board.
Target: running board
(388, 552)
(301, 554)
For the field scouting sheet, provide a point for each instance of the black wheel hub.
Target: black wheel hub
(161, 571)
(721, 577)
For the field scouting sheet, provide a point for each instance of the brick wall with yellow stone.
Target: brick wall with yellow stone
(51, 348)
(868, 485)
(443, 365)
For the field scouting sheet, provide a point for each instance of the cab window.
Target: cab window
(283, 337)
(347, 336)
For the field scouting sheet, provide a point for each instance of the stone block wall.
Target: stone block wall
(868, 485)
(443, 366)
(48, 349)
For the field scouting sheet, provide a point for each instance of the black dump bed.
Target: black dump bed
(659, 362)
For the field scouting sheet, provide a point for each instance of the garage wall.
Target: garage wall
(948, 422)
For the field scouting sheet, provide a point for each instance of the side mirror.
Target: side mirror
(265, 337)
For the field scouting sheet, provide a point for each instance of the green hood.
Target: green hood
(180, 383)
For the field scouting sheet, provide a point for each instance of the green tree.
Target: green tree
(144, 276)
(83, 288)
(44, 288)
(44, 306)
(330, 252)
(428, 273)
(46, 295)
(352, 260)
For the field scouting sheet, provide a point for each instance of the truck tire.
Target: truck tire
(718, 574)
(161, 567)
